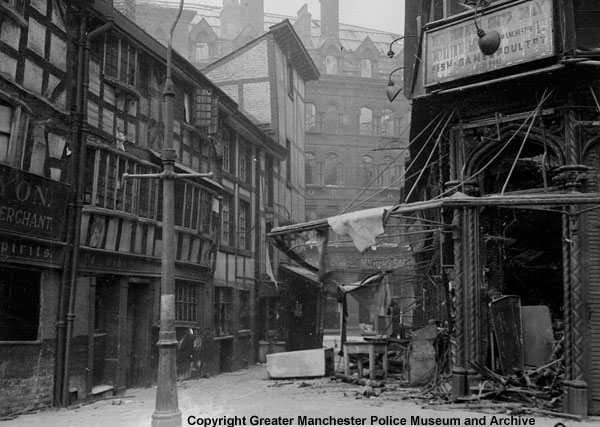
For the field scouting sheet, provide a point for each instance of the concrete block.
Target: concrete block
(301, 364)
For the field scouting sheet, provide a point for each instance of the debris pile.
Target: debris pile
(536, 387)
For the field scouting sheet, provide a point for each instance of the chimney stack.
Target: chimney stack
(253, 14)
(303, 25)
(330, 18)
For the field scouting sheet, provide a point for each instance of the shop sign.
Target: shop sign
(374, 260)
(117, 262)
(526, 33)
(18, 249)
(31, 204)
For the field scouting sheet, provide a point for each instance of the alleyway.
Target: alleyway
(249, 393)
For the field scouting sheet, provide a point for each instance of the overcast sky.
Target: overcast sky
(385, 15)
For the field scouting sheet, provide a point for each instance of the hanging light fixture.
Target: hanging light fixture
(390, 52)
(392, 91)
(489, 41)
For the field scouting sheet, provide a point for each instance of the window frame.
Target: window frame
(223, 311)
(187, 302)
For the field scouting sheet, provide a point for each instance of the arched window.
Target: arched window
(366, 121)
(392, 173)
(331, 118)
(332, 169)
(366, 170)
(387, 127)
(310, 166)
(201, 51)
(310, 117)
(331, 64)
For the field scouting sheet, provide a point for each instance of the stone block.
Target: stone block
(301, 364)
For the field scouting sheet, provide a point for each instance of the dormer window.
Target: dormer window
(331, 64)
(201, 52)
(366, 68)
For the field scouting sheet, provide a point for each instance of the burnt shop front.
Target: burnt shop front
(521, 137)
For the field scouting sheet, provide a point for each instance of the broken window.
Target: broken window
(244, 226)
(226, 223)
(310, 166)
(366, 121)
(366, 68)
(245, 320)
(13, 133)
(19, 304)
(366, 170)
(106, 188)
(223, 311)
(331, 169)
(331, 64)
(311, 115)
(201, 52)
(186, 302)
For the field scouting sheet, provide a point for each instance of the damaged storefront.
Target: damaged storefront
(516, 166)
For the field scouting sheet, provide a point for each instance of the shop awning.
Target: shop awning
(300, 273)
(458, 199)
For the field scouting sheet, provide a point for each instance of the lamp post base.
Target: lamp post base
(166, 419)
(166, 412)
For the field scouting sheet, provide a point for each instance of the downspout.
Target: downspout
(81, 153)
(258, 246)
(64, 287)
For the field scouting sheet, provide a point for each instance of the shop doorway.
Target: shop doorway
(122, 333)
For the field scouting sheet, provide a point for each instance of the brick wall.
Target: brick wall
(26, 376)
(253, 62)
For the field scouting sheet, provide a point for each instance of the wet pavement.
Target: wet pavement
(248, 397)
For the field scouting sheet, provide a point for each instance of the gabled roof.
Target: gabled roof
(184, 70)
(203, 27)
(351, 36)
(331, 46)
(287, 38)
(367, 46)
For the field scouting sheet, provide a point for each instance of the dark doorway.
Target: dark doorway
(138, 344)
(524, 256)
(226, 358)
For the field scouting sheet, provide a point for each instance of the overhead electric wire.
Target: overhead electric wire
(514, 164)
(373, 196)
(430, 154)
(365, 188)
(464, 180)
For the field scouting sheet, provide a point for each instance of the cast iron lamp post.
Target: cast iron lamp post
(166, 411)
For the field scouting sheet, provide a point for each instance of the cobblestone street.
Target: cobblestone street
(250, 394)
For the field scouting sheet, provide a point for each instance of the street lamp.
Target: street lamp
(390, 52)
(166, 411)
(392, 92)
(489, 41)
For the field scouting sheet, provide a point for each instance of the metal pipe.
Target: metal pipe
(64, 287)
(79, 174)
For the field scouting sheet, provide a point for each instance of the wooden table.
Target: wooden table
(366, 347)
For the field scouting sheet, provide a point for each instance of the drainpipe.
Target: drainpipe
(64, 287)
(79, 174)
